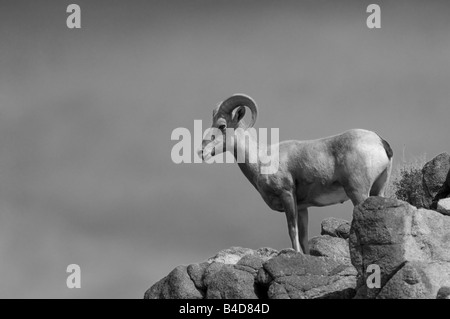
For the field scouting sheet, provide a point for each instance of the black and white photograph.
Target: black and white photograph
(236, 150)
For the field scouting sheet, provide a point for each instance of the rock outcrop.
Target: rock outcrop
(335, 227)
(406, 247)
(433, 183)
(292, 275)
(410, 246)
(435, 179)
(441, 198)
(331, 247)
(242, 273)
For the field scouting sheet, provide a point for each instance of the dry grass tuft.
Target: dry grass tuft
(406, 178)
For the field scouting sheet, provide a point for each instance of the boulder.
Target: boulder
(396, 251)
(410, 246)
(443, 293)
(417, 280)
(335, 227)
(444, 192)
(424, 188)
(177, 285)
(196, 272)
(332, 247)
(242, 273)
(229, 282)
(298, 276)
(435, 174)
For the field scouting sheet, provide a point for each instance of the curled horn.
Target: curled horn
(237, 100)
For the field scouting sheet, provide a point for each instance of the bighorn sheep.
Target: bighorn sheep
(353, 165)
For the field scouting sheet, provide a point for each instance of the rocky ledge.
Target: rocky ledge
(237, 273)
(266, 273)
(392, 249)
(410, 246)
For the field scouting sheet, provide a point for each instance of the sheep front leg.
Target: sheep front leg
(290, 209)
(303, 229)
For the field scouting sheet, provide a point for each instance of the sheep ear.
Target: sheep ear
(240, 112)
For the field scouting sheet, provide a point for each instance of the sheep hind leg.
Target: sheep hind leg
(303, 229)
(357, 191)
(381, 183)
(290, 209)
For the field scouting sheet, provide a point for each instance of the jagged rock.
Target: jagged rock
(434, 177)
(264, 273)
(411, 246)
(443, 206)
(431, 183)
(327, 246)
(444, 192)
(335, 227)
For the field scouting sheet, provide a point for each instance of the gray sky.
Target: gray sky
(86, 118)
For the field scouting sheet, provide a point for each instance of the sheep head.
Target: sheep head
(227, 114)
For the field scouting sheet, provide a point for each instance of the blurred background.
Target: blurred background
(86, 117)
